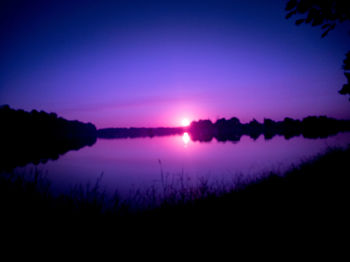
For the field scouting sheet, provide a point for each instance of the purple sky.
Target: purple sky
(152, 63)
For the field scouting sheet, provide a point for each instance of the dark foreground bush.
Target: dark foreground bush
(313, 195)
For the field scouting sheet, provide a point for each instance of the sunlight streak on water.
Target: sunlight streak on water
(132, 163)
(186, 138)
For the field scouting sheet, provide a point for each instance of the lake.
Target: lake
(133, 163)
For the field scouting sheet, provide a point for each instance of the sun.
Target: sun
(185, 122)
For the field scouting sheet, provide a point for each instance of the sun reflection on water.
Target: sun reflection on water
(186, 138)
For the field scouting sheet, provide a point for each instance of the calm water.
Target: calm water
(127, 164)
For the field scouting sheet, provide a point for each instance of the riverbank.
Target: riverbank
(311, 193)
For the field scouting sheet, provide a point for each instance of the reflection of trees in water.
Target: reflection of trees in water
(36, 137)
(232, 129)
(228, 130)
(111, 133)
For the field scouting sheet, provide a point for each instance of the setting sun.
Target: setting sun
(185, 122)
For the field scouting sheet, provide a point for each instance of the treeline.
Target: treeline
(138, 132)
(233, 129)
(34, 137)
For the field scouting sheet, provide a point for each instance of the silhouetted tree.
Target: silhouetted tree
(270, 128)
(324, 13)
(35, 137)
(346, 66)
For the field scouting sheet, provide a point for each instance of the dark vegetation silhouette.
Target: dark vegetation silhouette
(314, 191)
(346, 66)
(35, 137)
(134, 132)
(327, 14)
(312, 196)
(232, 129)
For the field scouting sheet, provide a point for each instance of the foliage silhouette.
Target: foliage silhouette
(232, 129)
(346, 66)
(310, 195)
(324, 13)
(34, 137)
(134, 132)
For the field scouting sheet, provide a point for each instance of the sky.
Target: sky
(154, 63)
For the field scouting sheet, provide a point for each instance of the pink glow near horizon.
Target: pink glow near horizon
(153, 63)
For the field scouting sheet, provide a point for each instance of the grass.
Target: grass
(313, 193)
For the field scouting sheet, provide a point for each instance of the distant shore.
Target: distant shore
(35, 137)
(232, 129)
